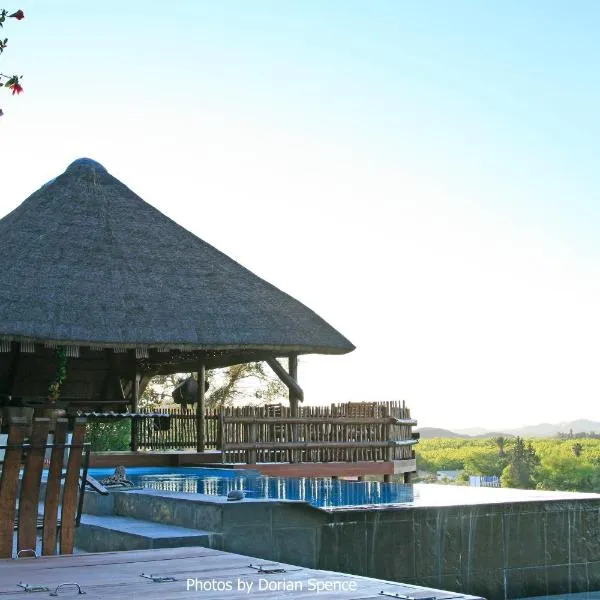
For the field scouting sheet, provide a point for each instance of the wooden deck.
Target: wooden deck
(197, 573)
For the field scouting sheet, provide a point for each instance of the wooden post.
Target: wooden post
(135, 398)
(200, 417)
(293, 371)
(219, 426)
(12, 370)
(223, 438)
(390, 449)
(286, 378)
(252, 435)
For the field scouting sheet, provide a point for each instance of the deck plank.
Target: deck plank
(222, 576)
(219, 567)
(30, 486)
(68, 513)
(9, 483)
(53, 484)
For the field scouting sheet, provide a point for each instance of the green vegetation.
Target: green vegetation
(522, 467)
(244, 382)
(571, 464)
(111, 435)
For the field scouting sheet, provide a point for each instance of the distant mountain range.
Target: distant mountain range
(539, 430)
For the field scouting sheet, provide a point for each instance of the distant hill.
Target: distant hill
(539, 430)
(472, 431)
(428, 433)
(493, 434)
(549, 429)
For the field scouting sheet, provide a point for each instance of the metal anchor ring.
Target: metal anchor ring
(55, 592)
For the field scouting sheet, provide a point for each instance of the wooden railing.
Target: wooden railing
(181, 433)
(319, 434)
(351, 432)
(399, 432)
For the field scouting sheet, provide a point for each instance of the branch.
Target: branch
(13, 81)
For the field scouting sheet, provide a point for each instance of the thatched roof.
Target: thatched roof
(84, 261)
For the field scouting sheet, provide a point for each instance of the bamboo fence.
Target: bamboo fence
(181, 433)
(350, 432)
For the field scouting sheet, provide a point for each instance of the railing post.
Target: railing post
(219, 436)
(200, 418)
(293, 371)
(223, 442)
(252, 435)
(390, 449)
(135, 398)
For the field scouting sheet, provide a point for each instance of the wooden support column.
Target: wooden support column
(294, 398)
(109, 357)
(286, 377)
(200, 412)
(293, 372)
(6, 386)
(295, 394)
(135, 399)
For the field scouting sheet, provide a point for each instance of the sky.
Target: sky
(421, 174)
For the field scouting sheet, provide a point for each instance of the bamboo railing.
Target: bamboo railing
(350, 432)
(400, 431)
(340, 433)
(181, 433)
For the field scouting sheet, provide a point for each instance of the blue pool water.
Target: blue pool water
(323, 493)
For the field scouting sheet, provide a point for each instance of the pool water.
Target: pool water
(322, 493)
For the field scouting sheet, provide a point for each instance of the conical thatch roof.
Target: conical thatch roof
(85, 261)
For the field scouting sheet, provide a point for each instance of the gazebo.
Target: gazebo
(95, 279)
(99, 292)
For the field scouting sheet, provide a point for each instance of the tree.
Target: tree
(522, 465)
(485, 463)
(12, 82)
(563, 471)
(500, 442)
(111, 435)
(160, 389)
(246, 381)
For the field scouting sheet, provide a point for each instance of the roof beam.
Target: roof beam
(287, 379)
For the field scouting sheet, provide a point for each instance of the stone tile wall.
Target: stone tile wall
(497, 551)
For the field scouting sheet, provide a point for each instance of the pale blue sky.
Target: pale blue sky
(421, 174)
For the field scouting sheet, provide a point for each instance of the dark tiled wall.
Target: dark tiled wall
(496, 551)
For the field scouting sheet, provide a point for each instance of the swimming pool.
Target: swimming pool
(322, 493)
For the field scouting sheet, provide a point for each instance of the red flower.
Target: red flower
(14, 85)
(18, 15)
